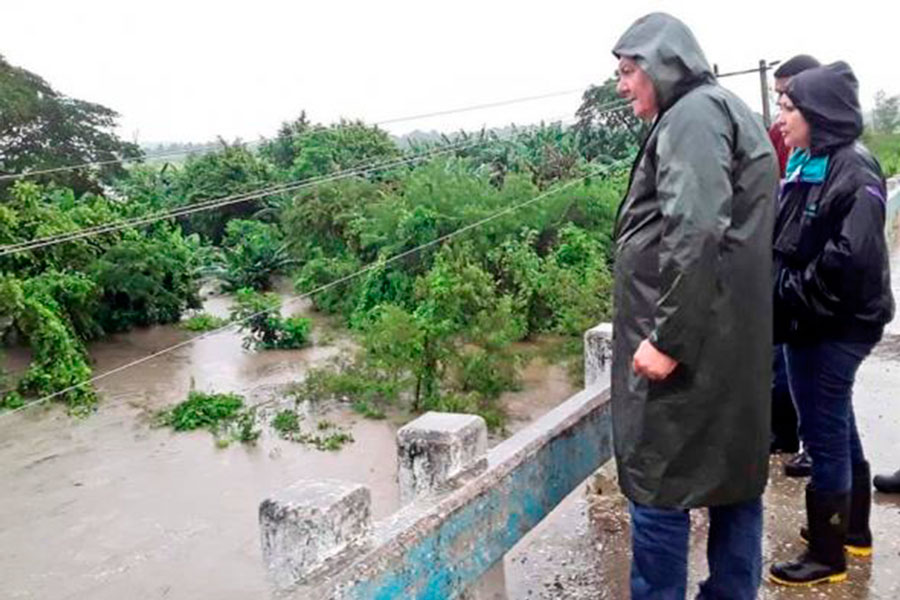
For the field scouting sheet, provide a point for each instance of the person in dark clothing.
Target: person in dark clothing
(832, 298)
(692, 329)
(785, 437)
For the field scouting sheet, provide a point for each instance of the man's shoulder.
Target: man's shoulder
(711, 99)
(703, 108)
(714, 108)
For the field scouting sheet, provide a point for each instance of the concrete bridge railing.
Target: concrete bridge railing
(893, 207)
(465, 505)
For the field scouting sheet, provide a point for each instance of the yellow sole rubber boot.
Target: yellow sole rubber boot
(859, 551)
(855, 551)
(836, 578)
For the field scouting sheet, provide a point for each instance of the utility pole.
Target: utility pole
(764, 88)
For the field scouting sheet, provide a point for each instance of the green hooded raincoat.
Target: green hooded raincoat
(693, 274)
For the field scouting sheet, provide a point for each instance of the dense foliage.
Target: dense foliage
(42, 129)
(435, 327)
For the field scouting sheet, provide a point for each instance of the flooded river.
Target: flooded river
(108, 507)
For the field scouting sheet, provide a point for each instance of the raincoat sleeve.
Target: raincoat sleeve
(694, 158)
(837, 277)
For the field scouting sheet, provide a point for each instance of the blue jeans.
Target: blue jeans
(659, 539)
(821, 378)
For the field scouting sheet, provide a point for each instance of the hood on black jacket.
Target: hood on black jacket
(666, 49)
(828, 98)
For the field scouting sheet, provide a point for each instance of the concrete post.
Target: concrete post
(437, 448)
(764, 90)
(597, 354)
(308, 523)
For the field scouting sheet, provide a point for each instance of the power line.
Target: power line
(376, 264)
(748, 71)
(442, 113)
(247, 196)
(16, 176)
(215, 203)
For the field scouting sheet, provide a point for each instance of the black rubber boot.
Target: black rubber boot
(888, 484)
(798, 466)
(824, 561)
(859, 537)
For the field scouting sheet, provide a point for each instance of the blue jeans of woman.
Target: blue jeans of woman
(821, 377)
(659, 540)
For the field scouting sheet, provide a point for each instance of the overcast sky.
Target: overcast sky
(190, 70)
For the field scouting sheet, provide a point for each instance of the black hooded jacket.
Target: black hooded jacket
(832, 273)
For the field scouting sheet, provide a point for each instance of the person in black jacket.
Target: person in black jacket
(785, 437)
(832, 298)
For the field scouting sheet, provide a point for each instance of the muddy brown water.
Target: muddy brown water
(108, 507)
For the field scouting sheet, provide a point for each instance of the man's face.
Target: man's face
(635, 85)
(781, 84)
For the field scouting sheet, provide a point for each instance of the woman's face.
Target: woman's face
(794, 128)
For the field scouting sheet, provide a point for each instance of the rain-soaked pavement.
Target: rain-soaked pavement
(582, 549)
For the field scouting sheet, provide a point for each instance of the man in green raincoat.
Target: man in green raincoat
(692, 348)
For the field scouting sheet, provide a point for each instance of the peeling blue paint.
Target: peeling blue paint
(446, 562)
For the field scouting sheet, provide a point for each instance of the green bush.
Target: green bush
(202, 410)
(253, 253)
(294, 332)
(886, 148)
(11, 400)
(353, 382)
(368, 410)
(203, 322)
(223, 415)
(286, 423)
(260, 317)
(329, 436)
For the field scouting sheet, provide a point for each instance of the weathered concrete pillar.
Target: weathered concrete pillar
(437, 448)
(308, 523)
(597, 354)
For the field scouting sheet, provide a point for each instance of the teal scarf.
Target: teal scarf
(802, 166)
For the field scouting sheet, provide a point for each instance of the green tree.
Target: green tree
(886, 116)
(302, 150)
(41, 128)
(253, 253)
(146, 280)
(281, 149)
(59, 360)
(231, 171)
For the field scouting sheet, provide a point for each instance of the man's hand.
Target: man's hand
(651, 363)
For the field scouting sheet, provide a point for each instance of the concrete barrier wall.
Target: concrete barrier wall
(893, 208)
(466, 511)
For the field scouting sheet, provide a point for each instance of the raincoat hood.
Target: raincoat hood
(828, 98)
(667, 51)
